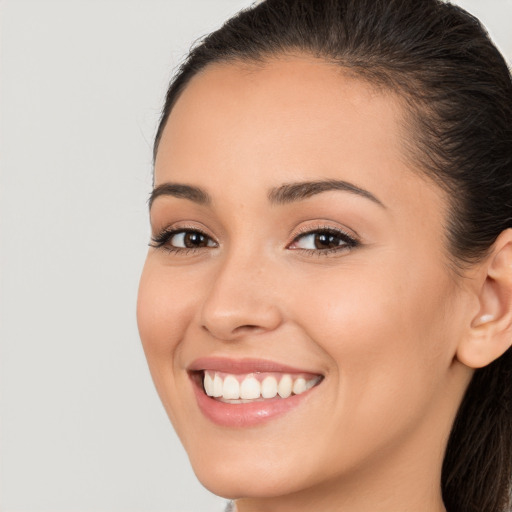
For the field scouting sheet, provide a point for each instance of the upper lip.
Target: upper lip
(237, 366)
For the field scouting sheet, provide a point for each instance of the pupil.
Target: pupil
(326, 241)
(195, 240)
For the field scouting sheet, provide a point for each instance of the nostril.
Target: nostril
(241, 329)
(246, 328)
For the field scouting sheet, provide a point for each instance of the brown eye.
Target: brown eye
(193, 239)
(324, 240)
(182, 239)
(327, 241)
(190, 240)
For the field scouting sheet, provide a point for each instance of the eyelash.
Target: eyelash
(162, 239)
(348, 241)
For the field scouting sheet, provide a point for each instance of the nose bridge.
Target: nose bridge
(241, 297)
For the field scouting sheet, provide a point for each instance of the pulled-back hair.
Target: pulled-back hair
(457, 90)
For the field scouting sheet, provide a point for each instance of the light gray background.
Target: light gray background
(82, 82)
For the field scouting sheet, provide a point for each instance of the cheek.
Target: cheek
(164, 307)
(386, 333)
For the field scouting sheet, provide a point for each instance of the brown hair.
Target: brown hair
(458, 89)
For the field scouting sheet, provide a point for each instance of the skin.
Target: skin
(381, 321)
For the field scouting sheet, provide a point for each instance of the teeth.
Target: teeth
(208, 385)
(255, 386)
(269, 387)
(299, 386)
(231, 388)
(217, 386)
(285, 386)
(250, 388)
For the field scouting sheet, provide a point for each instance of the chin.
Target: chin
(232, 481)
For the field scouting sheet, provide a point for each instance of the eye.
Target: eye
(190, 240)
(323, 240)
(182, 239)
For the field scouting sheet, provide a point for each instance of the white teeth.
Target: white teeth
(269, 387)
(231, 388)
(250, 387)
(285, 386)
(299, 386)
(217, 386)
(208, 385)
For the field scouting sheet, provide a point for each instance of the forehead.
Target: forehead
(286, 119)
(299, 107)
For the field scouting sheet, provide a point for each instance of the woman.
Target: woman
(326, 305)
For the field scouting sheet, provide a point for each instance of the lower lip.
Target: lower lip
(245, 414)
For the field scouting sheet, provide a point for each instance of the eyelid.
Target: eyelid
(324, 226)
(162, 237)
(350, 238)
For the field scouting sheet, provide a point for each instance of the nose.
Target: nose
(241, 299)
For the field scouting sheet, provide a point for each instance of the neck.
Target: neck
(345, 497)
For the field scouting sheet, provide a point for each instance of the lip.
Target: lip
(243, 415)
(236, 366)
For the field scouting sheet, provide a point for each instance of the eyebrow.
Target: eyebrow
(180, 191)
(284, 194)
(291, 192)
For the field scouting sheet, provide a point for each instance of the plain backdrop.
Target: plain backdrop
(82, 83)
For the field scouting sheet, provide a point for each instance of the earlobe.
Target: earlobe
(490, 332)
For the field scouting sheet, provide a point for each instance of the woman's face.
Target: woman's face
(295, 248)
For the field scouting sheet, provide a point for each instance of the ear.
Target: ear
(490, 332)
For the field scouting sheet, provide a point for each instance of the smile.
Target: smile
(247, 393)
(244, 388)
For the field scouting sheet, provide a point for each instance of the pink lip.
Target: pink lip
(227, 365)
(243, 414)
